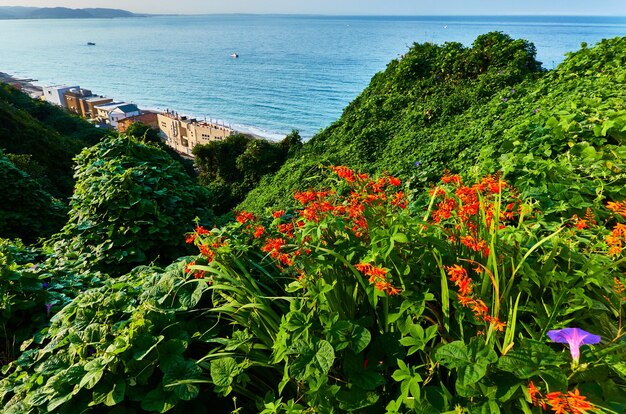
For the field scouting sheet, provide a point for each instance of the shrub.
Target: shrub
(128, 205)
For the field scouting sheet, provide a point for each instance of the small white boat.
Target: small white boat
(234, 55)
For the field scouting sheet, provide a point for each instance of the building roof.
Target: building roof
(127, 108)
(109, 106)
(58, 87)
(96, 98)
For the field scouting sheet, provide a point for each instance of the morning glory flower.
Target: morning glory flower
(575, 337)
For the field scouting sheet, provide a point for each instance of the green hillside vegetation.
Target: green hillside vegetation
(46, 137)
(234, 166)
(451, 108)
(129, 203)
(390, 285)
(26, 211)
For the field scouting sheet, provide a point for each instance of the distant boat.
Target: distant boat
(91, 44)
(234, 55)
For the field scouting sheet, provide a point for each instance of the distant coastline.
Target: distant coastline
(27, 86)
(24, 13)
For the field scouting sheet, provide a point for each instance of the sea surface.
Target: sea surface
(293, 72)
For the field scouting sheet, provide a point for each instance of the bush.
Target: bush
(128, 205)
(27, 211)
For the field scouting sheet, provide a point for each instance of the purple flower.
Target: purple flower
(48, 307)
(575, 337)
(512, 90)
(536, 110)
(45, 285)
(417, 163)
(505, 99)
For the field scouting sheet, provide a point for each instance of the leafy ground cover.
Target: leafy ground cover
(357, 300)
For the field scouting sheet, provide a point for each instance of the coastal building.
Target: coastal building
(92, 102)
(102, 111)
(123, 111)
(184, 134)
(146, 117)
(74, 100)
(56, 94)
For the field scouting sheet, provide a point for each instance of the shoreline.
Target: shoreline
(26, 85)
(35, 91)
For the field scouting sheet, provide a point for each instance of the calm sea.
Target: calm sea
(292, 71)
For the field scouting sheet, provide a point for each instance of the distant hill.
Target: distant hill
(62, 13)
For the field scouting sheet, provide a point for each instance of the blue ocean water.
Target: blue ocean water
(293, 72)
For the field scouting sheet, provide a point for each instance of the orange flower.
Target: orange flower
(570, 403)
(619, 287)
(278, 213)
(394, 181)
(535, 396)
(399, 200)
(207, 252)
(273, 246)
(201, 230)
(581, 224)
(377, 277)
(189, 265)
(243, 217)
(286, 229)
(447, 179)
(345, 173)
(479, 308)
(190, 238)
(456, 272)
(497, 325)
(259, 231)
(617, 207)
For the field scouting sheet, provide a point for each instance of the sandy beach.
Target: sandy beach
(25, 85)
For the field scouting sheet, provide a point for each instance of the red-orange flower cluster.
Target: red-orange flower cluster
(476, 245)
(273, 246)
(198, 274)
(618, 207)
(259, 231)
(560, 402)
(378, 277)
(535, 396)
(365, 193)
(458, 275)
(243, 217)
(616, 239)
(345, 173)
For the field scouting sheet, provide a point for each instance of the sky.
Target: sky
(349, 7)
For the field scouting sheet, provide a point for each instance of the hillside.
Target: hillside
(447, 107)
(46, 137)
(38, 142)
(61, 13)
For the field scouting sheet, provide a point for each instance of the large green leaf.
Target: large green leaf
(471, 361)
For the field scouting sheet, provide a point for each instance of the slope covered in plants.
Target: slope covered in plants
(450, 107)
(46, 137)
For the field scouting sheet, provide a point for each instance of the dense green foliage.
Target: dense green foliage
(26, 211)
(129, 205)
(49, 136)
(145, 133)
(234, 166)
(368, 295)
(431, 107)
